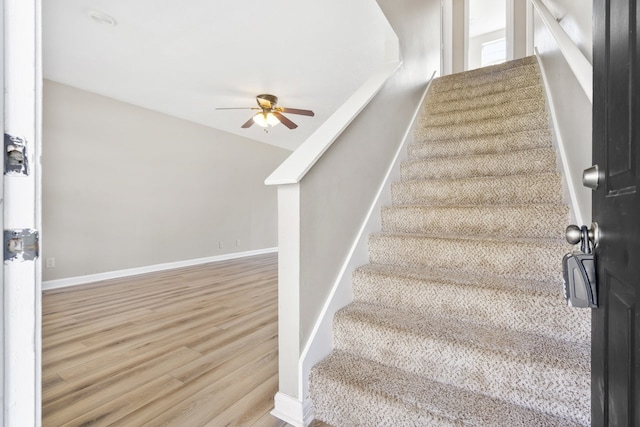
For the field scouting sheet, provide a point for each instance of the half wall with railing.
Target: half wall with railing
(328, 193)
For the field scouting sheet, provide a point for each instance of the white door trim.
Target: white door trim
(446, 40)
(21, 286)
(510, 30)
(465, 38)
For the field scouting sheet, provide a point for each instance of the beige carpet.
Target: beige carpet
(459, 318)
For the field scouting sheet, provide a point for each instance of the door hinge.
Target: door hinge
(15, 156)
(21, 244)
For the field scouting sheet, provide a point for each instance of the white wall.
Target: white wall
(475, 46)
(517, 9)
(126, 187)
(332, 201)
(454, 28)
(338, 191)
(571, 105)
(575, 19)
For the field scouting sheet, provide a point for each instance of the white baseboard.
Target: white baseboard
(570, 184)
(292, 411)
(90, 278)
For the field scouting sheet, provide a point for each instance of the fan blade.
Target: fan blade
(248, 124)
(288, 123)
(297, 111)
(237, 108)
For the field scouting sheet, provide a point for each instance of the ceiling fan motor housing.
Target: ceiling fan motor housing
(267, 101)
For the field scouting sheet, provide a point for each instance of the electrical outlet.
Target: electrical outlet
(237, 242)
(51, 262)
(220, 245)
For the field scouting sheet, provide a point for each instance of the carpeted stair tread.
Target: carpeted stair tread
(544, 221)
(496, 111)
(459, 317)
(480, 145)
(359, 321)
(496, 190)
(486, 76)
(488, 127)
(470, 75)
(529, 306)
(455, 95)
(434, 107)
(514, 258)
(441, 84)
(524, 369)
(508, 163)
(378, 395)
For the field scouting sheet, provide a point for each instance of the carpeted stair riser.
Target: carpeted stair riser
(365, 394)
(497, 79)
(459, 319)
(504, 110)
(433, 107)
(510, 163)
(481, 90)
(516, 258)
(369, 386)
(525, 306)
(492, 78)
(478, 73)
(480, 145)
(503, 190)
(524, 369)
(542, 221)
(511, 124)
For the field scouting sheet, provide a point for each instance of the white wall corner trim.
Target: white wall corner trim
(312, 352)
(510, 31)
(566, 172)
(90, 278)
(292, 411)
(296, 166)
(578, 63)
(446, 29)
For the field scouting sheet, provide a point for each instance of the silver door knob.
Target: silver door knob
(573, 234)
(591, 177)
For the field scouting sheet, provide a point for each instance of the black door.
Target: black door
(616, 208)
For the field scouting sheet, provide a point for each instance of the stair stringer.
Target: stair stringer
(320, 343)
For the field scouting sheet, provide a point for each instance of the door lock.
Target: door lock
(573, 234)
(579, 269)
(591, 177)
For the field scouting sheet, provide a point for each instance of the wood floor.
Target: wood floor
(187, 347)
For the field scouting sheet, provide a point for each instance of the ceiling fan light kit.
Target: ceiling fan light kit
(265, 119)
(271, 114)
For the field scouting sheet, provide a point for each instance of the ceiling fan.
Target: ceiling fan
(270, 114)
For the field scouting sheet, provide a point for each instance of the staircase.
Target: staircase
(459, 318)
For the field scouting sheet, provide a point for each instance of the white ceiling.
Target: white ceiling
(185, 58)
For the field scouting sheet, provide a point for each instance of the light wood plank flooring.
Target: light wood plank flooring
(186, 347)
